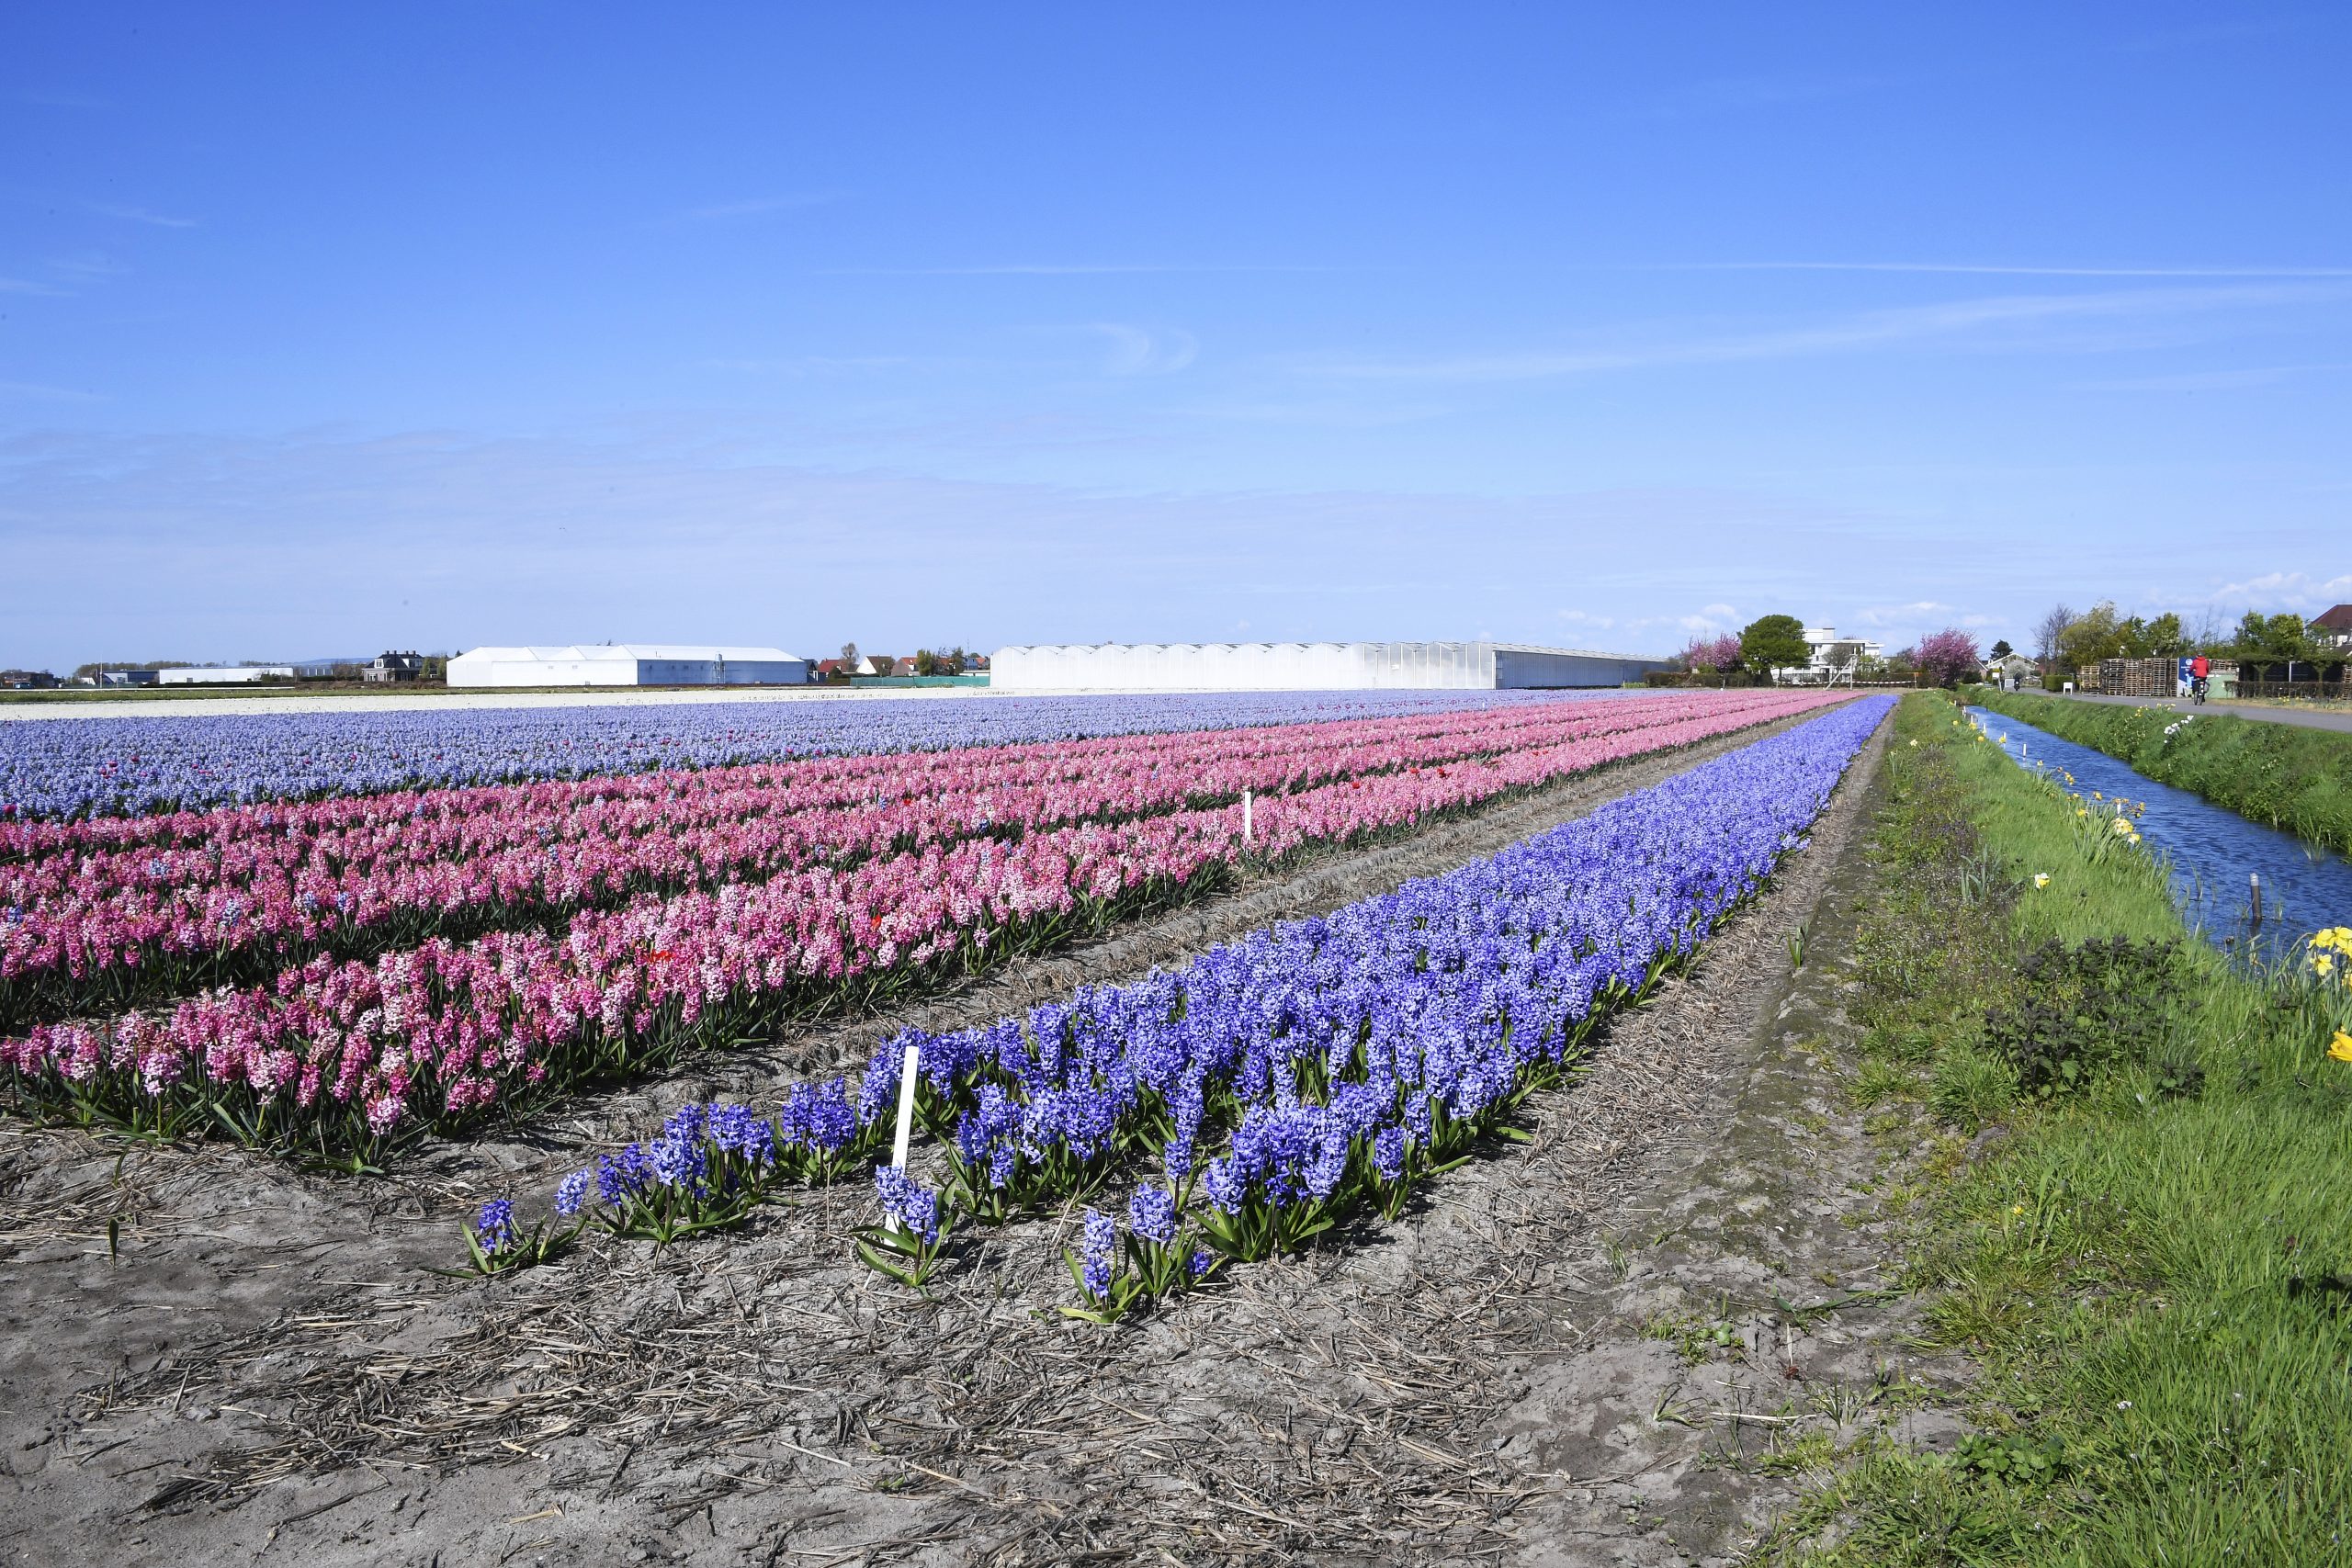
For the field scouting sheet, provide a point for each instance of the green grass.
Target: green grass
(2155, 1270)
(2281, 774)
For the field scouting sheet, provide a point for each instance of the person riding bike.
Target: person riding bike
(2199, 669)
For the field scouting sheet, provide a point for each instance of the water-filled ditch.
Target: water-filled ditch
(2211, 851)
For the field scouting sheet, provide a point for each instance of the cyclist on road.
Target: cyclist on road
(2199, 667)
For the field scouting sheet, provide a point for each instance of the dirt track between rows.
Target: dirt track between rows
(266, 1372)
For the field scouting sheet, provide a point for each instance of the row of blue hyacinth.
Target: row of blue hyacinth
(1275, 1083)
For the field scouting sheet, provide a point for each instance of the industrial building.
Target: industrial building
(628, 665)
(223, 675)
(1308, 665)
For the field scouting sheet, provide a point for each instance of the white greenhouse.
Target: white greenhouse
(628, 665)
(1307, 667)
(223, 675)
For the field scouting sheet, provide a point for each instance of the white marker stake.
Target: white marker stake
(1246, 826)
(906, 1119)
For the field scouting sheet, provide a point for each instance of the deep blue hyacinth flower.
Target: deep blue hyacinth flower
(495, 1227)
(1096, 1251)
(909, 1202)
(571, 1193)
(1151, 1215)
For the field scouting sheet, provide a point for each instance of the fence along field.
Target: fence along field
(1274, 1086)
(342, 1057)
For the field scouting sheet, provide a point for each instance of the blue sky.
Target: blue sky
(323, 331)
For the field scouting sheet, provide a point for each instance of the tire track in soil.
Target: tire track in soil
(757, 1397)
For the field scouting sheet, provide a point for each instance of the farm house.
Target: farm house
(1308, 665)
(628, 665)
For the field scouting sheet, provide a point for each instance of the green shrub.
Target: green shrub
(2081, 1009)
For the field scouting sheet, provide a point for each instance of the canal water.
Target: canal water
(2211, 851)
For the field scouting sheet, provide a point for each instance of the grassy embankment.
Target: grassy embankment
(2150, 1259)
(2289, 777)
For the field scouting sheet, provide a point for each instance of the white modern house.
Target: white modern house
(1307, 667)
(628, 665)
(1830, 658)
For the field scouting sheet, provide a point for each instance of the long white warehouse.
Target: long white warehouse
(1306, 667)
(628, 665)
(220, 675)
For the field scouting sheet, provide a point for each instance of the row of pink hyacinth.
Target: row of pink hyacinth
(446, 1028)
(101, 914)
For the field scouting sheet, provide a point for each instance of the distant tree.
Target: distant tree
(2098, 633)
(2047, 630)
(1944, 657)
(849, 657)
(926, 662)
(2273, 645)
(1772, 642)
(2165, 638)
(2002, 649)
(1708, 654)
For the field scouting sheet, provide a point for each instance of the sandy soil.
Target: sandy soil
(256, 1366)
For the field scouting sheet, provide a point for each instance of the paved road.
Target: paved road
(2308, 718)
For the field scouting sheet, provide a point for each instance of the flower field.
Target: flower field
(68, 768)
(105, 914)
(1271, 1086)
(515, 936)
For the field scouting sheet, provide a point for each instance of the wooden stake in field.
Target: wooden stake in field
(906, 1119)
(1246, 824)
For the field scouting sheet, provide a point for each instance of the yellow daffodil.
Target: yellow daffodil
(2042, 879)
(2323, 939)
(2343, 935)
(2341, 1046)
(2323, 965)
(2121, 825)
(2096, 795)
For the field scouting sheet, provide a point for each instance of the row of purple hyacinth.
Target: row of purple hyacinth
(1279, 1082)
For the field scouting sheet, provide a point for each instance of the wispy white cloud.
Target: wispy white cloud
(1137, 351)
(753, 206)
(1950, 320)
(1335, 414)
(2210, 380)
(1735, 94)
(141, 215)
(1999, 269)
(26, 285)
(2284, 591)
(1069, 269)
(36, 391)
(823, 364)
(85, 267)
(1904, 614)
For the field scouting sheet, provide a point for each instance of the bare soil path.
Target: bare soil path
(256, 1367)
